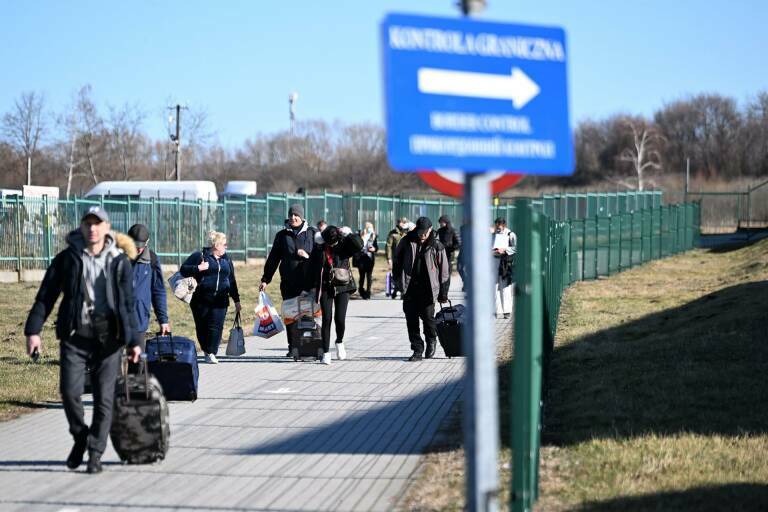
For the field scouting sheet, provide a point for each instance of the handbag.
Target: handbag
(183, 287)
(236, 343)
(339, 276)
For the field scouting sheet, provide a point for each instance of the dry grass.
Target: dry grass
(25, 386)
(658, 398)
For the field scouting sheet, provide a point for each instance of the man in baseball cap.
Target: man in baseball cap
(148, 286)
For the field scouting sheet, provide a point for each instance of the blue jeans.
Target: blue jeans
(209, 324)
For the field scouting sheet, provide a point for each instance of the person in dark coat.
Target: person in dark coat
(96, 319)
(216, 284)
(448, 237)
(461, 261)
(422, 273)
(366, 259)
(332, 250)
(148, 285)
(290, 253)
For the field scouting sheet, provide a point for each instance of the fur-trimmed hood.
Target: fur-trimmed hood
(114, 241)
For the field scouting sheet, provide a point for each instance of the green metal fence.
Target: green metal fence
(33, 230)
(565, 251)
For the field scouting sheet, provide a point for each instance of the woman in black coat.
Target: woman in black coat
(332, 250)
(215, 276)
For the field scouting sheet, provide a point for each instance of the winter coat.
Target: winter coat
(437, 264)
(149, 289)
(217, 283)
(364, 259)
(293, 268)
(320, 269)
(65, 276)
(449, 238)
(393, 238)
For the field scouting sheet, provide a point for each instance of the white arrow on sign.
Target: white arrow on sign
(517, 87)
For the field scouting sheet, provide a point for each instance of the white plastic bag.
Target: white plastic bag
(268, 322)
(303, 305)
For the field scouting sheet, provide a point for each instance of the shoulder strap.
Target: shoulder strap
(152, 257)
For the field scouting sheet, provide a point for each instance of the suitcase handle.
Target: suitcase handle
(449, 309)
(142, 369)
(168, 357)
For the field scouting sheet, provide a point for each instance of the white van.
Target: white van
(185, 190)
(239, 189)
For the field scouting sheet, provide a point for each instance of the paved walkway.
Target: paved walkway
(266, 433)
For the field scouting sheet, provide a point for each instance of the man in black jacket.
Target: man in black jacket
(448, 237)
(421, 271)
(290, 251)
(96, 319)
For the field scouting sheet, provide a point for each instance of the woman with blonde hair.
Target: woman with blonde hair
(215, 276)
(366, 259)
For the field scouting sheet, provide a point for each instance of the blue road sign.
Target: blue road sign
(476, 96)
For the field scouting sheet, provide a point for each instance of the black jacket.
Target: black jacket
(65, 275)
(217, 284)
(449, 238)
(320, 269)
(293, 268)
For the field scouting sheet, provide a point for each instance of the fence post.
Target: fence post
(597, 244)
(583, 248)
(610, 241)
(526, 367)
(128, 214)
(245, 235)
(621, 233)
(178, 232)
(202, 223)
(18, 236)
(325, 205)
(153, 221)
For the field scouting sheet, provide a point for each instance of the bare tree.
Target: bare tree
(24, 125)
(125, 136)
(90, 127)
(643, 154)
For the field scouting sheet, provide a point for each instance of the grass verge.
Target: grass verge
(657, 399)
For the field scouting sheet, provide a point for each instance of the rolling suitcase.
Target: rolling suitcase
(450, 323)
(140, 429)
(305, 338)
(173, 360)
(390, 290)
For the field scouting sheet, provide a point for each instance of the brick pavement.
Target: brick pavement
(266, 433)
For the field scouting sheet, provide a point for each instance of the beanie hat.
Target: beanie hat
(296, 209)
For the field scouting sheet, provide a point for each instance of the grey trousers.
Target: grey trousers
(75, 353)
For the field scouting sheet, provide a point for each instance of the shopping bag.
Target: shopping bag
(183, 287)
(268, 322)
(297, 307)
(236, 343)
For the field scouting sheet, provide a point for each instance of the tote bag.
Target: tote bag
(236, 343)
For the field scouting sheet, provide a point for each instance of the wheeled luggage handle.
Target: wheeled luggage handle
(450, 309)
(172, 355)
(142, 368)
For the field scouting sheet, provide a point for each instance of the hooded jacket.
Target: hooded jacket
(293, 268)
(65, 276)
(148, 289)
(393, 238)
(435, 258)
(216, 284)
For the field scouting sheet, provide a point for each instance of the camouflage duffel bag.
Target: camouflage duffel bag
(140, 429)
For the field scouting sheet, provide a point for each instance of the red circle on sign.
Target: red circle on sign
(456, 189)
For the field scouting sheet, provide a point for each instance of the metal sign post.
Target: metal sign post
(481, 415)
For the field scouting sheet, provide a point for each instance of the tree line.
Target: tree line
(84, 144)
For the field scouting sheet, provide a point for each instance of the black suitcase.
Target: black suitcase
(140, 429)
(173, 360)
(305, 338)
(450, 323)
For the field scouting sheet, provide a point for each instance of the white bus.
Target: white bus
(184, 190)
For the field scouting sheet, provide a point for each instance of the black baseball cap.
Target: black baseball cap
(139, 233)
(422, 225)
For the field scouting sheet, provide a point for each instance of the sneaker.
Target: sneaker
(326, 358)
(78, 450)
(211, 358)
(341, 352)
(94, 463)
(506, 316)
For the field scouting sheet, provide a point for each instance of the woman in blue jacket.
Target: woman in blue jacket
(215, 276)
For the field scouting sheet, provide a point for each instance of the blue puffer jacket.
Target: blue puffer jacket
(217, 284)
(149, 290)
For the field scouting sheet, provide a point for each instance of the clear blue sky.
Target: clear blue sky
(240, 59)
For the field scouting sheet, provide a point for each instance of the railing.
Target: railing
(552, 254)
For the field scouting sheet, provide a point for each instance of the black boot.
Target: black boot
(430, 351)
(416, 356)
(94, 463)
(78, 450)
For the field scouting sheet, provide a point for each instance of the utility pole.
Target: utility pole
(292, 111)
(176, 139)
